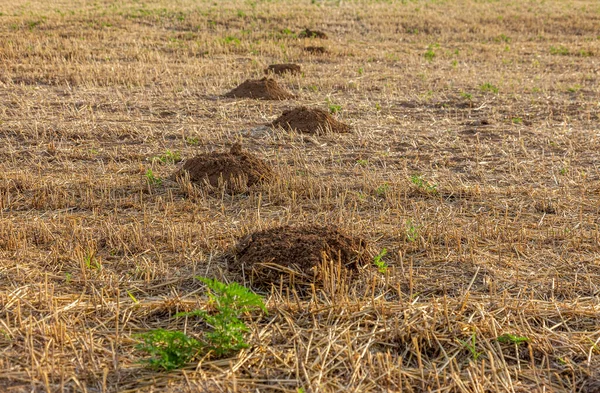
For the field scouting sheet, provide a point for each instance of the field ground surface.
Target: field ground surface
(472, 158)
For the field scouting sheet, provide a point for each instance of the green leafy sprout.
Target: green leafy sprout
(232, 40)
(466, 96)
(333, 108)
(423, 184)
(91, 262)
(168, 157)
(559, 50)
(151, 179)
(192, 141)
(174, 349)
(412, 231)
(382, 190)
(511, 338)
(488, 87)
(169, 350)
(430, 53)
(230, 301)
(378, 261)
(471, 345)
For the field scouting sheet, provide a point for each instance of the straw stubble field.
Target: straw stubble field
(472, 157)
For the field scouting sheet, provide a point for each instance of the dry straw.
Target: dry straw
(472, 158)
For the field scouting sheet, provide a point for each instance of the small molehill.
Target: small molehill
(316, 50)
(280, 69)
(262, 89)
(235, 170)
(308, 33)
(296, 253)
(309, 121)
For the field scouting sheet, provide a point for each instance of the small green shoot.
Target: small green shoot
(488, 87)
(168, 157)
(232, 40)
(378, 106)
(517, 120)
(563, 171)
(91, 262)
(333, 108)
(471, 345)
(559, 50)
(423, 184)
(192, 141)
(430, 53)
(381, 265)
(502, 38)
(288, 32)
(362, 162)
(412, 231)
(382, 190)
(151, 179)
(466, 96)
(511, 338)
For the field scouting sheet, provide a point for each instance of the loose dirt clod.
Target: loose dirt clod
(236, 170)
(309, 121)
(264, 89)
(308, 33)
(297, 253)
(280, 69)
(316, 50)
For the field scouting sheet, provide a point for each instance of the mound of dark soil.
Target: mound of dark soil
(296, 252)
(316, 50)
(308, 33)
(309, 121)
(280, 69)
(263, 89)
(236, 170)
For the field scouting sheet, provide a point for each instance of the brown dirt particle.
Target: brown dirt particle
(280, 69)
(308, 33)
(309, 121)
(267, 255)
(263, 89)
(236, 170)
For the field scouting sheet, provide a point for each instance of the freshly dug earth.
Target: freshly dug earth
(308, 33)
(264, 89)
(236, 170)
(316, 50)
(309, 121)
(280, 69)
(296, 253)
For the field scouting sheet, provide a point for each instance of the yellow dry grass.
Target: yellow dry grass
(506, 242)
